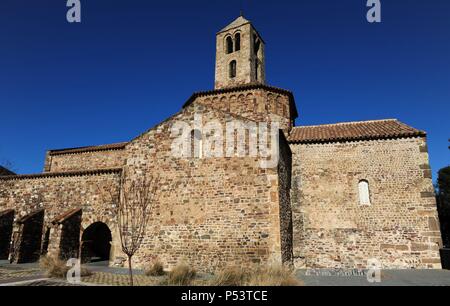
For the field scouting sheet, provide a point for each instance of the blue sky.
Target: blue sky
(130, 64)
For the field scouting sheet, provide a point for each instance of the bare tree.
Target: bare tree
(135, 201)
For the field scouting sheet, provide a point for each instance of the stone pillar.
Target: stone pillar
(65, 235)
(117, 257)
(54, 240)
(275, 234)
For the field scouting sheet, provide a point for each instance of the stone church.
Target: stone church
(340, 195)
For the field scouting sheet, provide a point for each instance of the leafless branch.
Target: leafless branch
(135, 201)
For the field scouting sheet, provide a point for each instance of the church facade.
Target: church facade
(339, 196)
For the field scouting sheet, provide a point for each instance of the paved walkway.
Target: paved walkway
(17, 273)
(30, 275)
(388, 278)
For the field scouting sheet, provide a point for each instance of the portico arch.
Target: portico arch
(96, 243)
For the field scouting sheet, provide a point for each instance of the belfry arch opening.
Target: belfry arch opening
(256, 44)
(96, 243)
(229, 45)
(237, 42)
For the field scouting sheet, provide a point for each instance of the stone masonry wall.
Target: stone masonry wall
(331, 228)
(66, 235)
(210, 212)
(257, 105)
(284, 190)
(60, 193)
(245, 59)
(105, 159)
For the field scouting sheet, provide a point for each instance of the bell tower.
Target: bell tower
(240, 56)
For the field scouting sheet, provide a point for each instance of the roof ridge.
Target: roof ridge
(116, 145)
(100, 171)
(237, 22)
(5, 171)
(353, 131)
(347, 123)
(66, 215)
(29, 216)
(245, 87)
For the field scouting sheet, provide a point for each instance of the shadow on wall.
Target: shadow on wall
(24, 241)
(6, 230)
(29, 238)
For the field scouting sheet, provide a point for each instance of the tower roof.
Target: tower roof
(240, 21)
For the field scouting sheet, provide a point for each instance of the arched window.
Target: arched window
(196, 144)
(237, 41)
(229, 45)
(233, 69)
(364, 193)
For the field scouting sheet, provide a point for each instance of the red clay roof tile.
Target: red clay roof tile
(65, 216)
(60, 174)
(113, 146)
(352, 131)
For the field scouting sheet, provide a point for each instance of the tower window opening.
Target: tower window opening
(256, 44)
(237, 41)
(229, 45)
(232, 69)
(256, 70)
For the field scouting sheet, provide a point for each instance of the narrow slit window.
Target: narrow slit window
(196, 144)
(233, 65)
(364, 193)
